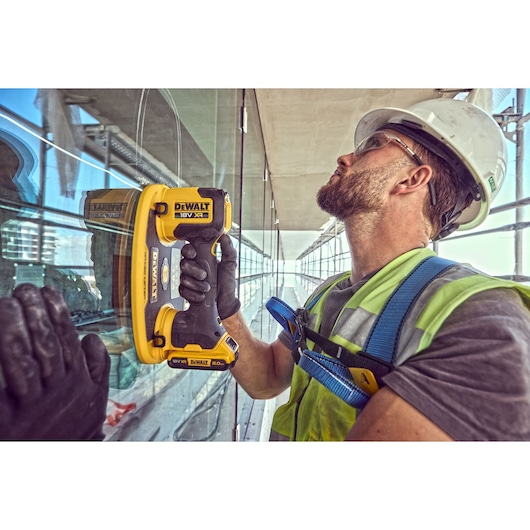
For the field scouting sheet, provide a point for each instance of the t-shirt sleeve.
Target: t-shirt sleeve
(285, 338)
(474, 379)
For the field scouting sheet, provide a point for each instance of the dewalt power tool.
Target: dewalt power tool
(166, 218)
(141, 280)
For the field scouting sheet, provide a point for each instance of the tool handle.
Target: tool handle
(200, 323)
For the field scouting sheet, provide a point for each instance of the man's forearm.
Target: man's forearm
(263, 370)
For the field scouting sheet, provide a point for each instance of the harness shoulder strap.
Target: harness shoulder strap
(382, 341)
(380, 348)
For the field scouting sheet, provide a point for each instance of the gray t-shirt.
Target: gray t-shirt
(474, 379)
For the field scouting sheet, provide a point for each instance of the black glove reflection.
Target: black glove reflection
(52, 385)
(193, 284)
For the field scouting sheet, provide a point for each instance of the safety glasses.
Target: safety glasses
(380, 139)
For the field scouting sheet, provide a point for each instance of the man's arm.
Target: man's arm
(263, 370)
(388, 417)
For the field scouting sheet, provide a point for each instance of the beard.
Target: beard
(360, 192)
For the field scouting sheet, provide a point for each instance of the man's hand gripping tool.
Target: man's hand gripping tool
(166, 218)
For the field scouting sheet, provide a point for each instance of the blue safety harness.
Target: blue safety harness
(380, 348)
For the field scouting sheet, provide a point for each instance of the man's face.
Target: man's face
(360, 183)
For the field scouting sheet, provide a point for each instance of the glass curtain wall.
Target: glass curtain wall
(72, 166)
(500, 246)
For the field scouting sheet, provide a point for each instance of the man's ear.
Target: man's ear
(416, 178)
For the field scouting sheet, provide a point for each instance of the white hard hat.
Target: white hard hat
(467, 137)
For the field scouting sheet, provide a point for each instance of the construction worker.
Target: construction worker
(461, 365)
(53, 386)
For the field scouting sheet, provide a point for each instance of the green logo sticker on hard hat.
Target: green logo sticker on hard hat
(491, 182)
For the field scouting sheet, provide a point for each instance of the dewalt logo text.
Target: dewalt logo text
(199, 362)
(192, 210)
(192, 206)
(154, 275)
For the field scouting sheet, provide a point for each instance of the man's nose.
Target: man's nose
(347, 160)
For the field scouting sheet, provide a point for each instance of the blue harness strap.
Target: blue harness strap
(282, 312)
(286, 316)
(384, 336)
(335, 376)
(382, 341)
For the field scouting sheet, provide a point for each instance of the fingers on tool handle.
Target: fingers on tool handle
(193, 290)
(193, 285)
(190, 266)
(188, 251)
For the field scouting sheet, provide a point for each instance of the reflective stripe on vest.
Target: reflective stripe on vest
(315, 413)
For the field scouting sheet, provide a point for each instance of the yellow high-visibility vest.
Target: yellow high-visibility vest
(315, 413)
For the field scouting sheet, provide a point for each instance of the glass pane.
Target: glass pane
(73, 165)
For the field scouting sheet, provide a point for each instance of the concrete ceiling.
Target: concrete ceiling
(305, 131)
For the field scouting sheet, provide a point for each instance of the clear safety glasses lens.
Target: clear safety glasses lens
(376, 140)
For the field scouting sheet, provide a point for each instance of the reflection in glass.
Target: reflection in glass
(72, 165)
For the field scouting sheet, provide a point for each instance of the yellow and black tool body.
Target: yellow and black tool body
(166, 218)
